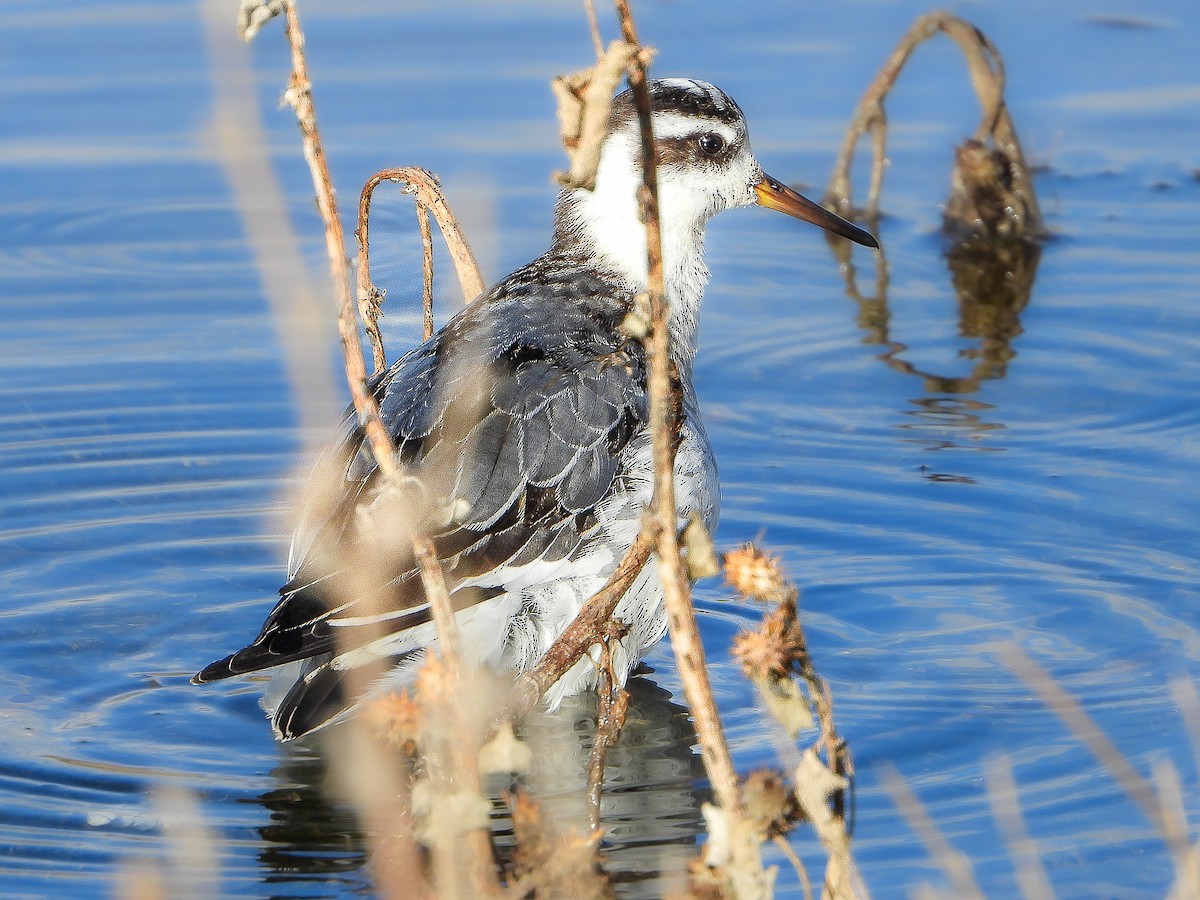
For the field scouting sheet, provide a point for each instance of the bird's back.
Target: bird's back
(523, 427)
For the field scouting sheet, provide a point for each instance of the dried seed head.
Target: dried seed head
(435, 685)
(755, 574)
(397, 720)
(771, 808)
(775, 648)
(564, 863)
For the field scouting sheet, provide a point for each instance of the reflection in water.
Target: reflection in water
(650, 808)
(992, 279)
(310, 837)
(954, 422)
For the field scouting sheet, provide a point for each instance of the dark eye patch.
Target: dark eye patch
(694, 149)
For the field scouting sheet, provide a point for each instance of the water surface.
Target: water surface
(149, 435)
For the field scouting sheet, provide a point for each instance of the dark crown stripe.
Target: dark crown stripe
(690, 98)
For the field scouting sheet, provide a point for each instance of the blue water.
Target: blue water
(149, 436)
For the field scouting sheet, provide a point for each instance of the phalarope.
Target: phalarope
(527, 416)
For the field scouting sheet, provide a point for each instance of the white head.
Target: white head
(705, 165)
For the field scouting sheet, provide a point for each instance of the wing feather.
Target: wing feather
(520, 408)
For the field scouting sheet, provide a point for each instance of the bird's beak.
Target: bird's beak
(774, 195)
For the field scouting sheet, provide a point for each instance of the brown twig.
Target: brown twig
(744, 869)
(239, 144)
(434, 582)
(299, 97)
(429, 198)
(370, 298)
(426, 267)
(394, 862)
(610, 717)
(681, 618)
(594, 28)
(585, 631)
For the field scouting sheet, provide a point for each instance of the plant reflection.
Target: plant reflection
(992, 279)
(650, 813)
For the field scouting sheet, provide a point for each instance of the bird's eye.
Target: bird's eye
(711, 143)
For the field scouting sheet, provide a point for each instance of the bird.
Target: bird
(522, 429)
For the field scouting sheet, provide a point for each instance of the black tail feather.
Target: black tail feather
(313, 701)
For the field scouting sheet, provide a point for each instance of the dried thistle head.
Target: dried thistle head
(775, 648)
(704, 883)
(397, 719)
(988, 195)
(771, 807)
(563, 863)
(435, 684)
(755, 574)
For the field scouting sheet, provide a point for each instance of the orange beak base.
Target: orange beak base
(777, 196)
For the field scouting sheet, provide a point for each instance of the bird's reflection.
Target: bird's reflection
(650, 806)
(309, 837)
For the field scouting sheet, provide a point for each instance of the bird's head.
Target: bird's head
(705, 166)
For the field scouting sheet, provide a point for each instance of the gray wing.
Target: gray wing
(514, 417)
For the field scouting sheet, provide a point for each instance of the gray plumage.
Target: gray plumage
(524, 424)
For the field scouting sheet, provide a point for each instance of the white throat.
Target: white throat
(606, 219)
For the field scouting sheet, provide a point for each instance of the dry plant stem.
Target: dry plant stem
(837, 752)
(380, 810)
(797, 863)
(370, 298)
(1067, 708)
(1002, 793)
(585, 631)
(594, 28)
(434, 582)
(299, 97)
(466, 769)
(426, 268)
(239, 144)
(610, 717)
(429, 197)
(987, 76)
(681, 618)
(953, 863)
(425, 185)
(584, 100)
